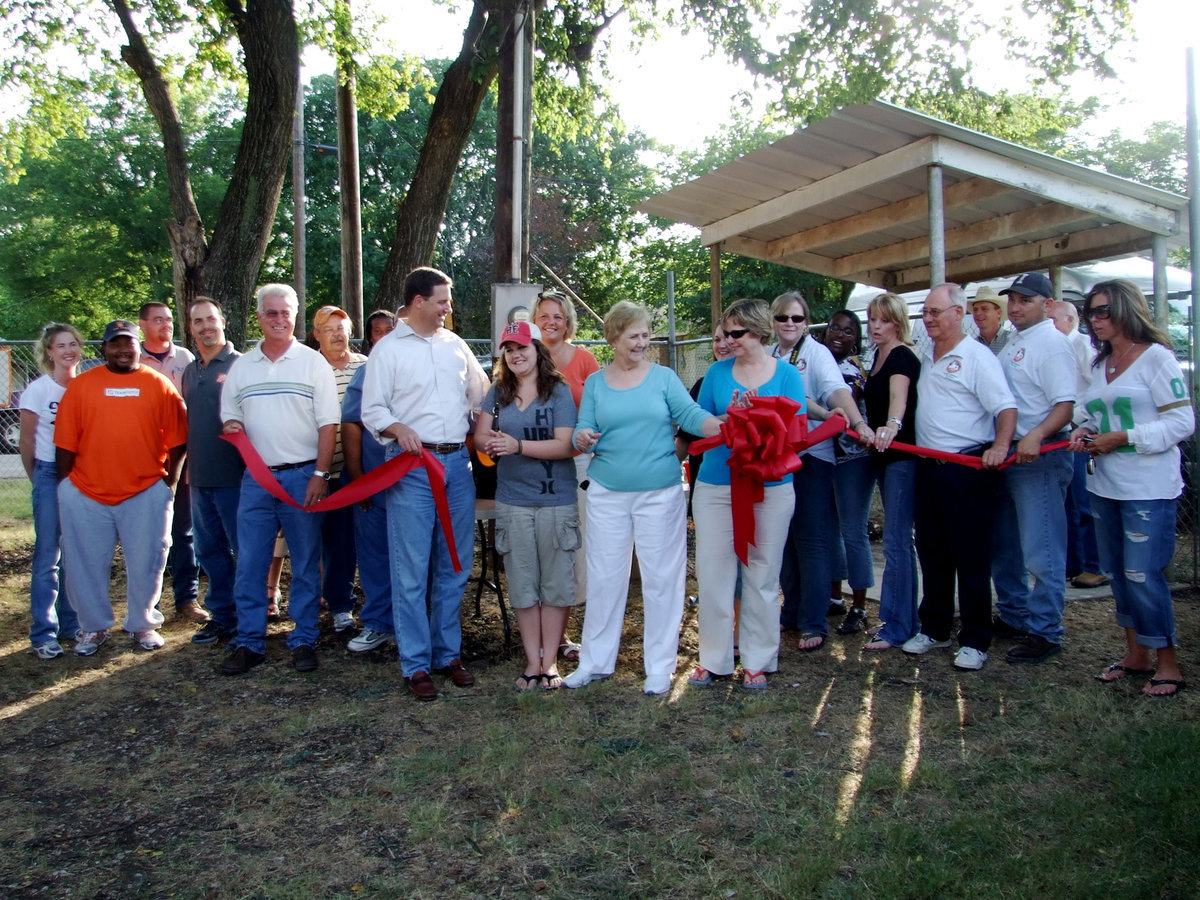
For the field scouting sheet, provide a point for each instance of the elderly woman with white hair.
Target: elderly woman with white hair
(635, 500)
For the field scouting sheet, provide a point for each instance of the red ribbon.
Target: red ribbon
(764, 441)
(963, 459)
(371, 483)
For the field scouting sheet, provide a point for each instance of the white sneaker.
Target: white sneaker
(922, 643)
(88, 642)
(369, 639)
(52, 649)
(343, 621)
(147, 640)
(579, 678)
(969, 659)
(656, 684)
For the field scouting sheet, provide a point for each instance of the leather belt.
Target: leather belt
(286, 466)
(443, 448)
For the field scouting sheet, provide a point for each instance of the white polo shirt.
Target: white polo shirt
(961, 394)
(1040, 368)
(281, 404)
(430, 384)
(821, 375)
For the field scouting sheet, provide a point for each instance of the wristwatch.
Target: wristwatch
(319, 474)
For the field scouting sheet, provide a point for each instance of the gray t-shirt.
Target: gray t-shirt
(522, 480)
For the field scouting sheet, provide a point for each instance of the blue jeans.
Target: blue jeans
(1030, 541)
(374, 565)
(52, 614)
(337, 555)
(214, 522)
(181, 558)
(852, 487)
(898, 594)
(807, 570)
(260, 516)
(1082, 555)
(1137, 540)
(429, 634)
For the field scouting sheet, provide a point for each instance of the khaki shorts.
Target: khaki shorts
(538, 544)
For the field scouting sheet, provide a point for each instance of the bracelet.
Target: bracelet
(518, 447)
(899, 422)
(858, 424)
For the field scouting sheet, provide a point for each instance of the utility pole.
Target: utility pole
(348, 176)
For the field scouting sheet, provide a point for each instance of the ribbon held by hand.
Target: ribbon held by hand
(764, 441)
(372, 482)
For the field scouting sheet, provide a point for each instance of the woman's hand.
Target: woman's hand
(500, 444)
(1080, 440)
(586, 439)
(884, 435)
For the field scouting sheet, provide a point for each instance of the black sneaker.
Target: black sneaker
(1032, 648)
(212, 631)
(304, 658)
(241, 661)
(1002, 629)
(836, 608)
(855, 621)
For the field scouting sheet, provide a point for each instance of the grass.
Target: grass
(853, 776)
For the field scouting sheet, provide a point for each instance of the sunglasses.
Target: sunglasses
(734, 334)
(1098, 312)
(798, 319)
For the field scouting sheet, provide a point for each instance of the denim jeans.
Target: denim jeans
(1030, 542)
(429, 635)
(1137, 540)
(806, 571)
(1082, 555)
(955, 510)
(181, 558)
(898, 594)
(260, 516)
(374, 566)
(338, 557)
(852, 488)
(214, 523)
(52, 614)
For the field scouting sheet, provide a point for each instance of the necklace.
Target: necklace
(1114, 363)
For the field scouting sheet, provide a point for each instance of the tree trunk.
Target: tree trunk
(419, 215)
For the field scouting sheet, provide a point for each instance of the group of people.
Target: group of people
(588, 474)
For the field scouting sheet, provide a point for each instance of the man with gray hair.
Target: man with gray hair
(282, 396)
(966, 407)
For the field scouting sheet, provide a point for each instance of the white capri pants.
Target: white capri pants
(717, 569)
(655, 523)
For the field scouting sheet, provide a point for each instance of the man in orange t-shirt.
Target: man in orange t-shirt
(120, 437)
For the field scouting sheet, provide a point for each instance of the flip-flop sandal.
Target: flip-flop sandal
(569, 650)
(551, 682)
(1179, 684)
(754, 681)
(1125, 671)
(808, 636)
(700, 676)
(531, 682)
(877, 645)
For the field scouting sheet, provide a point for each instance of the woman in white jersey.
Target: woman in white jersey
(1138, 411)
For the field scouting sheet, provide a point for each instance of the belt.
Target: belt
(286, 466)
(443, 448)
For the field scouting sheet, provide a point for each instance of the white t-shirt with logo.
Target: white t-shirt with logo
(42, 398)
(961, 394)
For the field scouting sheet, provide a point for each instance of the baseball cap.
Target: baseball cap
(520, 333)
(119, 328)
(325, 313)
(1031, 284)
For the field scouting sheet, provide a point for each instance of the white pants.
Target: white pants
(717, 570)
(581, 467)
(655, 522)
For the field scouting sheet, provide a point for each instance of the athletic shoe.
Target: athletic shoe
(836, 607)
(343, 621)
(88, 642)
(580, 677)
(656, 684)
(241, 661)
(855, 621)
(369, 639)
(304, 658)
(1032, 649)
(52, 649)
(212, 632)
(968, 659)
(149, 640)
(922, 643)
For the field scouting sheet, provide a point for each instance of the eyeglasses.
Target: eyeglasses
(833, 329)
(736, 333)
(1098, 312)
(932, 313)
(797, 319)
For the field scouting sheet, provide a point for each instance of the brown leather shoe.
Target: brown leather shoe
(1089, 580)
(194, 612)
(421, 686)
(457, 673)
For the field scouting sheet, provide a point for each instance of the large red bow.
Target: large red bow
(764, 441)
(372, 482)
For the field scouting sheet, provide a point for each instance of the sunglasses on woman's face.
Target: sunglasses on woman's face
(736, 333)
(1097, 312)
(798, 319)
